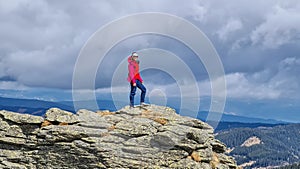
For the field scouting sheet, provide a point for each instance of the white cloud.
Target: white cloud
(267, 84)
(238, 86)
(199, 13)
(281, 27)
(287, 78)
(11, 85)
(290, 61)
(231, 26)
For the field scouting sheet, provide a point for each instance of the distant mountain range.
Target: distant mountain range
(224, 126)
(38, 107)
(30, 106)
(234, 118)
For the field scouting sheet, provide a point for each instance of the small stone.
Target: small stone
(13, 140)
(15, 131)
(58, 115)
(91, 119)
(198, 136)
(201, 125)
(218, 146)
(3, 125)
(205, 154)
(190, 145)
(21, 118)
(89, 139)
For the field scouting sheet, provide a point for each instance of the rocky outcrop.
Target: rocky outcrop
(251, 142)
(148, 137)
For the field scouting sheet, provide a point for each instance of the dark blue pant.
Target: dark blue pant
(133, 90)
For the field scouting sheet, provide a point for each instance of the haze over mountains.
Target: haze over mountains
(38, 107)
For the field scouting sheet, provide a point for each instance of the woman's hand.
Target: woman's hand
(134, 84)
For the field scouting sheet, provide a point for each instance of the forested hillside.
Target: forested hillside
(264, 146)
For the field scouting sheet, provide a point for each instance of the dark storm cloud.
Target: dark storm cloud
(258, 41)
(7, 78)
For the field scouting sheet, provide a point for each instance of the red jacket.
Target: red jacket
(133, 68)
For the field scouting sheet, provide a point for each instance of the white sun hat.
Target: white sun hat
(135, 54)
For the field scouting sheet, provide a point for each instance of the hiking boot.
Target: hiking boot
(144, 104)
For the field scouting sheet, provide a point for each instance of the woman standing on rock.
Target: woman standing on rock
(135, 79)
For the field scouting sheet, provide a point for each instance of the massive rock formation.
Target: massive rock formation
(151, 137)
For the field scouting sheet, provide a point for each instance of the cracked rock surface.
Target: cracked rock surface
(141, 137)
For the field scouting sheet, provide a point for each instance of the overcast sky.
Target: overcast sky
(257, 41)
